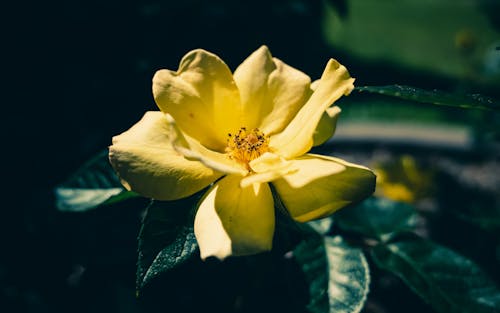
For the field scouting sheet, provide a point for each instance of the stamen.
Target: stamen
(244, 146)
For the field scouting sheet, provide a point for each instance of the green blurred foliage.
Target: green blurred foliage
(456, 39)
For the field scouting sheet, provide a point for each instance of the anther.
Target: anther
(245, 146)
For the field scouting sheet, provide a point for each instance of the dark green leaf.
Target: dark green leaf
(338, 275)
(377, 218)
(166, 238)
(340, 6)
(473, 101)
(480, 212)
(94, 184)
(446, 280)
(122, 196)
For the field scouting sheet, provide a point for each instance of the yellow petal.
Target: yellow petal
(268, 161)
(146, 162)
(202, 97)
(271, 91)
(297, 138)
(322, 185)
(193, 150)
(266, 168)
(235, 221)
(315, 84)
(326, 126)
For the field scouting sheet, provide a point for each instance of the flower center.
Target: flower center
(244, 146)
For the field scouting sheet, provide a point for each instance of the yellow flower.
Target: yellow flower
(404, 180)
(241, 133)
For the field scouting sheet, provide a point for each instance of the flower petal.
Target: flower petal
(147, 163)
(271, 91)
(322, 185)
(202, 97)
(268, 162)
(193, 150)
(326, 126)
(266, 168)
(235, 221)
(297, 138)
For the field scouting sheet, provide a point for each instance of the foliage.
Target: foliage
(94, 184)
(332, 254)
(473, 101)
(443, 278)
(386, 218)
(166, 238)
(337, 273)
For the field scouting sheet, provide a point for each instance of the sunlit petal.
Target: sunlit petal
(202, 97)
(271, 91)
(147, 163)
(235, 221)
(326, 126)
(297, 138)
(322, 185)
(266, 168)
(193, 150)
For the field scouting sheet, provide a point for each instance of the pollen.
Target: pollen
(244, 145)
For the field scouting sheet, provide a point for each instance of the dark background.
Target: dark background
(78, 72)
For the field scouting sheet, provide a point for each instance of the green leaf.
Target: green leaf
(166, 238)
(489, 223)
(338, 275)
(94, 184)
(474, 101)
(446, 280)
(377, 218)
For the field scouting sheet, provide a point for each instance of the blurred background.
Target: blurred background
(79, 72)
